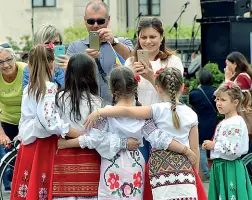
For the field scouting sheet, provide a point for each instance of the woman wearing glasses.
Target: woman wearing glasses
(50, 34)
(11, 74)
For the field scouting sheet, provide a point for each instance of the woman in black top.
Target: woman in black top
(202, 101)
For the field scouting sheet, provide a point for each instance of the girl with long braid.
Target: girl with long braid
(122, 177)
(172, 176)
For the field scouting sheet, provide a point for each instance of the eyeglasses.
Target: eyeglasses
(99, 21)
(5, 45)
(8, 61)
(56, 43)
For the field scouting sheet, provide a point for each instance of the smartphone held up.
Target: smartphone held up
(143, 55)
(94, 40)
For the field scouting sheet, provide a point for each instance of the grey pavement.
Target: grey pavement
(7, 196)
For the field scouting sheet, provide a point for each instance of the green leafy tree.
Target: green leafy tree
(218, 76)
(78, 31)
(75, 32)
(14, 44)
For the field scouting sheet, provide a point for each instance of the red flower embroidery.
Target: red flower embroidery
(159, 71)
(49, 91)
(229, 132)
(127, 189)
(138, 78)
(237, 130)
(113, 180)
(137, 179)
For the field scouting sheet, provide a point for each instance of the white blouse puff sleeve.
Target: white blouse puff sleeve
(157, 138)
(231, 139)
(40, 120)
(106, 143)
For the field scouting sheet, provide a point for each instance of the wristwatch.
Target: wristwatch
(115, 41)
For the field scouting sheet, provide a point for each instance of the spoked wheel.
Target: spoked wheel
(247, 160)
(7, 169)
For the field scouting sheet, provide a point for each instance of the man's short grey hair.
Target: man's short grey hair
(9, 50)
(96, 6)
(46, 33)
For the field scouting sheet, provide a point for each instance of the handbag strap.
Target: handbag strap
(101, 71)
(207, 98)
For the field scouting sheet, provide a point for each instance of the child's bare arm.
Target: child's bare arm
(65, 144)
(141, 112)
(194, 143)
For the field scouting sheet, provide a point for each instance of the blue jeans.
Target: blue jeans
(6, 181)
(204, 162)
(11, 131)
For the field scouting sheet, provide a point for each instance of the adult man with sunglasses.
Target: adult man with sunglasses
(97, 19)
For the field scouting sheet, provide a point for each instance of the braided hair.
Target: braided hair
(170, 81)
(123, 84)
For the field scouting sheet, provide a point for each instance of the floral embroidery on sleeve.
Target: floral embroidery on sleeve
(100, 124)
(50, 117)
(149, 126)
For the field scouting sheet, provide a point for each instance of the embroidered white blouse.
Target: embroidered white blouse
(162, 116)
(231, 139)
(123, 128)
(147, 94)
(40, 120)
(107, 143)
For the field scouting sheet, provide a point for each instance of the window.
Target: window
(43, 3)
(149, 7)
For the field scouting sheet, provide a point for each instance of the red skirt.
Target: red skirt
(32, 177)
(76, 172)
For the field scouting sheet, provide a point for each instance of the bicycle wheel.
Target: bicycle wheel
(7, 166)
(247, 160)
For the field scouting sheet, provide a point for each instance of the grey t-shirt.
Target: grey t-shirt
(107, 59)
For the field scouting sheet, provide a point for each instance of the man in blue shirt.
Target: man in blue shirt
(97, 19)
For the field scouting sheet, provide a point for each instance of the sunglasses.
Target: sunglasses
(99, 21)
(56, 43)
(5, 45)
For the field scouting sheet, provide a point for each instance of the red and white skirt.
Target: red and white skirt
(42, 172)
(33, 171)
(76, 172)
(171, 176)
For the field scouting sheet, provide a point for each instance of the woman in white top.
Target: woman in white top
(151, 37)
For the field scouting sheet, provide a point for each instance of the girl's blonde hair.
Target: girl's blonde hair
(235, 92)
(170, 80)
(39, 58)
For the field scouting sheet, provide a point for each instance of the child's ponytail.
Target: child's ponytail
(40, 58)
(170, 80)
(246, 100)
(175, 117)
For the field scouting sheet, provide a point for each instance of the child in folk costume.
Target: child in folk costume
(229, 177)
(39, 127)
(171, 174)
(122, 177)
(76, 170)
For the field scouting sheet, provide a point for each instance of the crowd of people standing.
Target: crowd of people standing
(139, 141)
